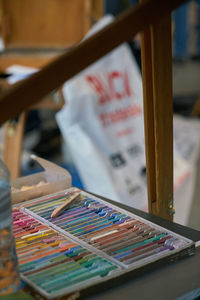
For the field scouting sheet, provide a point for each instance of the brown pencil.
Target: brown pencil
(58, 210)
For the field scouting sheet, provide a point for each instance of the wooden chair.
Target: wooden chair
(152, 18)
(34, 44)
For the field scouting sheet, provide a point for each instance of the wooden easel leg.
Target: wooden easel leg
(148, 101)
(158, 116)
(163, 115)
(13, 139)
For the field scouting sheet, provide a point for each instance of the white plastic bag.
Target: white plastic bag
(103, 126)
(187, 140)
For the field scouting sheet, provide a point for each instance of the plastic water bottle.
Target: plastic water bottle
(9, 275)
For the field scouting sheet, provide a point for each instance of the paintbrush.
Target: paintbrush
(58, 210)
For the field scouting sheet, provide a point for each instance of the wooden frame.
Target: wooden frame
(152, 17)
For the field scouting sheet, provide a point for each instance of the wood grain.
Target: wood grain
(148, 103)
(46, 23)
(25, 94)
(163, 114)
(97, 9)
(87, 16)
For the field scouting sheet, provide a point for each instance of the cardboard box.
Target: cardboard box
(54, 177)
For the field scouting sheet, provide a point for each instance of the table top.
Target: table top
(166, 283)
(169, 282)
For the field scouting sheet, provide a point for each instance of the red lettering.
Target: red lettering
(127, 85)
(121, 114)
(112, 77)
(99, 88)
(118, 86)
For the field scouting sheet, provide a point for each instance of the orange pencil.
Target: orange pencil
(58, 210)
